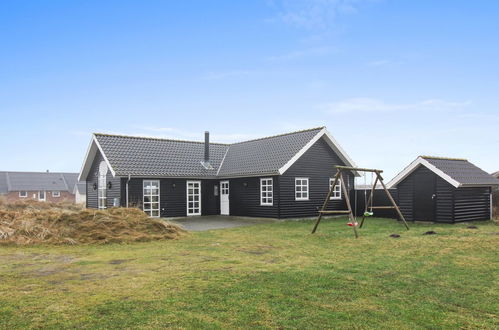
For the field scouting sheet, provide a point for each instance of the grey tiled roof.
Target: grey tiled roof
(266, 155)
(141, 156)
(81, 188)
(29, 181)
(462, 171)
(3, 183)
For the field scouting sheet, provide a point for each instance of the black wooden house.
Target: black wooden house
(283, 176)
(444, 190)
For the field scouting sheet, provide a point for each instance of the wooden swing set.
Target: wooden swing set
(353, 223)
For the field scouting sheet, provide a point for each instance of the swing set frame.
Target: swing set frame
(339, 178)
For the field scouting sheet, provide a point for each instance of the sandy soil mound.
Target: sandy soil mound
(31, 222)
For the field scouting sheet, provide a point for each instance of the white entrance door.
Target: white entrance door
(193, 197)
(224, 197)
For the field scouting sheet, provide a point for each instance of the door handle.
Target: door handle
(433, 196)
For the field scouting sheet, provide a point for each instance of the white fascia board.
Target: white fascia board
(340, 152)
(331, 142)
(87, 161)
(412, 166)
(89, 158)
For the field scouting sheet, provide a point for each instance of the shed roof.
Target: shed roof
(30, 181)
(153, 157)
(457, 171)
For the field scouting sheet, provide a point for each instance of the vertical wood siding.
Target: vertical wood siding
(114, 192)
(317, 164)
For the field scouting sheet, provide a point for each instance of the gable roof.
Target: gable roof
(458, 172)
(153, 157)
(31, 181)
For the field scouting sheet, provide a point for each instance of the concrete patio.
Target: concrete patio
(210, 222)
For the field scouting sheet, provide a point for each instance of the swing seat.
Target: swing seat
(368, 214)
(352, 224)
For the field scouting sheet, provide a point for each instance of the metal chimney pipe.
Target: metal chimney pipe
(206, 146)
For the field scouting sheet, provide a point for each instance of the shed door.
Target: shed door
(424, 197)
(224, 198)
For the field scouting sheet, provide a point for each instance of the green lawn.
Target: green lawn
(266, 276)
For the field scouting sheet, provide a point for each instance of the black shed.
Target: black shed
(444, 190)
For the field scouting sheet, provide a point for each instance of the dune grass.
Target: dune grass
(265, 276)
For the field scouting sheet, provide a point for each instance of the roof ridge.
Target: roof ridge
(157, 138)
(443, 158)
(282, 134)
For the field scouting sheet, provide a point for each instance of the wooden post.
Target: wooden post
(347, 200)
(327, 200)
(369, 201)
(393, 201)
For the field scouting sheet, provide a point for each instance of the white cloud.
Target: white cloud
(364, 104)
(312, 14)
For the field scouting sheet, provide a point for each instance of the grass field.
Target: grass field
(266, 276)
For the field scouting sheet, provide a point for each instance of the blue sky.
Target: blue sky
(390, 79)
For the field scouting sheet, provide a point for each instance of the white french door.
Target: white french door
(224, 198)
(193, 198)
(151, 198)
(41, 196)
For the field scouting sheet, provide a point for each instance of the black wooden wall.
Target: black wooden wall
(317, 164)
(451, 204)
(93, 176)
(245, 198)
(472, 204)
(173, 196)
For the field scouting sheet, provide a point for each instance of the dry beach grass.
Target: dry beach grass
(32, 222)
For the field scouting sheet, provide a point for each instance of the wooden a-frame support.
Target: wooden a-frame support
(339, 178)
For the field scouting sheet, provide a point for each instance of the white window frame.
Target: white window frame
(21, 195)
(149, 211)
(337, 192)
(56, 193)
(102, 191)
(299, 182)
(187, 198)
(44, 196)
(267, 195)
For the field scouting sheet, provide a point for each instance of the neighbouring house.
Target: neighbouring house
(444, 190)
(282, 176)
(80, 192)
(40, 186)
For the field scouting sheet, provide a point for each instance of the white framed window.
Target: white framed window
(150, 201)
(56, 194)
(101, 186)
(301, 189)
(193, 198)
(23, 194)
(266, 191)
(336, 194)
(41, 196)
